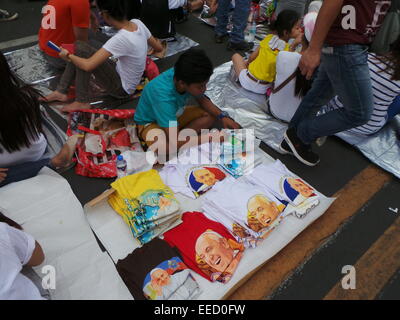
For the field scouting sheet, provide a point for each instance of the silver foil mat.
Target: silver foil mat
(30, 65)
(181, 44)
(250, 111)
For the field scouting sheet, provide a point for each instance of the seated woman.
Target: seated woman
(258, 73)
(22, 142)
(290, 86)
(385, 77)
(19, 253)
(129, 46)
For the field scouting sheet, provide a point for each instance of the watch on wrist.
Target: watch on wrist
(222, 115)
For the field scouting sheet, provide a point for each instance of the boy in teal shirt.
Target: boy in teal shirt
(163, 109)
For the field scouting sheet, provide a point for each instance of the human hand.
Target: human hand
(3, 174)
(64, 55)
(309, 61)
(297, 41)
(229, 123)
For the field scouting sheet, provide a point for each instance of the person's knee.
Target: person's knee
(82, 49)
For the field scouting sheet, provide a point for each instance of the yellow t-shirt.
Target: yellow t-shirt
(264, 66)
(143, 201)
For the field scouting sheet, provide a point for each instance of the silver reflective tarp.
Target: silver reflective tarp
(250, 111)
(30, 65)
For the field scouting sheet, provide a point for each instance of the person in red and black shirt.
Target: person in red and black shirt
(339, 46)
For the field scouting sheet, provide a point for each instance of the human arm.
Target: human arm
(212, 109)
(28, 251)
(253, 56)
(37, 256)
(155, 44)
(89, 64)
(80, 15)
(312, 56)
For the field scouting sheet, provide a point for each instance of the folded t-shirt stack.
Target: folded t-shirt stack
(192, 173)
(146, 204)
(156, 272)
(248, 211)
(206, 247)
(286, 186)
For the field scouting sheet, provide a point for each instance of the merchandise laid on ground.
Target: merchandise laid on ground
(235, 219)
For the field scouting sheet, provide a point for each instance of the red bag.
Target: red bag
(151, 70)
(114, 137)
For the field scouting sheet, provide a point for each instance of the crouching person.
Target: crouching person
(163, 110)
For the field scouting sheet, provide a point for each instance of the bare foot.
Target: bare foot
(55, 96)
(64, 158)
(75, 106)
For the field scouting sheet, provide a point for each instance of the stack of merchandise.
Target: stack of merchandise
(285, 185)
(146, 204)
(206, 247)
(194, 172)
(248, 211)
(156, 272)
(238, 156)
(254, 206)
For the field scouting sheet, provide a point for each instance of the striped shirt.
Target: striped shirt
(384, 90)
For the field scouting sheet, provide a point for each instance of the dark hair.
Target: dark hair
(193, 66)
(302, 84)
(117, 9)
(392, 60)
(10, 222)
(19, 111)
(285, 21)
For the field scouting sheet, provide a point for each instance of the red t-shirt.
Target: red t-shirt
(67, 14)
(358, 22)
(206, 246)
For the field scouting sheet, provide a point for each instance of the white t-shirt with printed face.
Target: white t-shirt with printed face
(130, 48)
(236, 203)
(286, 186)
(16, 249)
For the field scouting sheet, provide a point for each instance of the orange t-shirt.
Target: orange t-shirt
(68, 14)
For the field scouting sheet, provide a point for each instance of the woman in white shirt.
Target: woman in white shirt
(17, 250)
(22, 142)
(119, 79)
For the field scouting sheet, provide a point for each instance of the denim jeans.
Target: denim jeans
(24, 171)
(344, 72)
(240, 15)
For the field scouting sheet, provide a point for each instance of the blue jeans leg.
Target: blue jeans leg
(240, 15)
(222, 16)
(348, 73)
(320, 94)
(24, 171)
(394, 109)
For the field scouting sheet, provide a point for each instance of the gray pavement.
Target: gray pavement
(339, 164)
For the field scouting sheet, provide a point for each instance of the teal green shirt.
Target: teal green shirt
(160, 102)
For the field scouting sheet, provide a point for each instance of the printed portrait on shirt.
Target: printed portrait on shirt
(217, 256)
(262, 212)
(170, 280)
(242, 235)
(296, 190)
(153, 203)
(201, 179)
